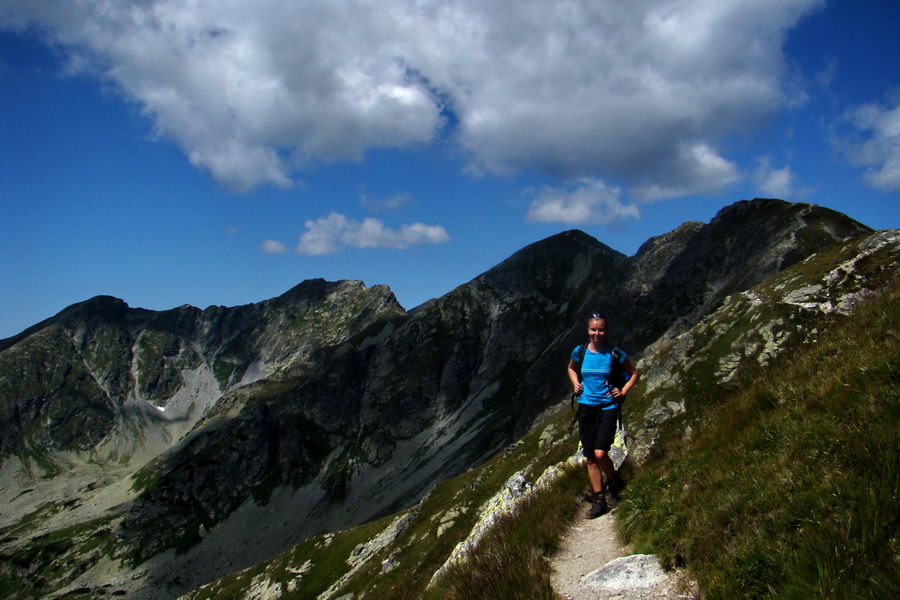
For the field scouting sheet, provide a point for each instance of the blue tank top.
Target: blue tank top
(595, 377)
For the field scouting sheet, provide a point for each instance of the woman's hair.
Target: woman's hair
(597, 317)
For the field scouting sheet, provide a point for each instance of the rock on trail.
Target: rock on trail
(593, 564)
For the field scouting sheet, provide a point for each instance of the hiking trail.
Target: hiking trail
(593, 564)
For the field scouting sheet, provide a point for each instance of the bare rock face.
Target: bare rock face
(655, 256)
(331, 405)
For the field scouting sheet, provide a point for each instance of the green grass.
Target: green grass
(513, 561)
(422, 552)
(792, 487)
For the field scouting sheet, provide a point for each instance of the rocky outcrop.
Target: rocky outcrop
(627, 573)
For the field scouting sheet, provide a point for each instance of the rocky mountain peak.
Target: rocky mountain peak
(314, 290)
(103, 361)
(557, 248)
(538, 266)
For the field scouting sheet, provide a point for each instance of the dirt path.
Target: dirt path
(593, 564)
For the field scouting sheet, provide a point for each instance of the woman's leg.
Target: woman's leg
(605, 464)
(595, 473)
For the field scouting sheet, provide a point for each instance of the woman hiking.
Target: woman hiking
(599, 401)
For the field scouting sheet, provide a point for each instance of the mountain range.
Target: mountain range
(155, 452)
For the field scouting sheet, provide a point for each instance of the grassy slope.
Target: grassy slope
(791, 488)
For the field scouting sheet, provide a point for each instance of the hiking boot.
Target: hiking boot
(598, 507)
(614, 488)
(612, 497)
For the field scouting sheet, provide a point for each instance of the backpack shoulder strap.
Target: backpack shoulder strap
(582, 350)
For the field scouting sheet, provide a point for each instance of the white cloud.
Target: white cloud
(777, 183)
(253, 90)
(586, 201)
(273, 247)
(328, 235)
(875, 144)
(692, 169)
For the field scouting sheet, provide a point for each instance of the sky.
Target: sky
(219, 152)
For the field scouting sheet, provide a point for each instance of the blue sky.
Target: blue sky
(220, 152)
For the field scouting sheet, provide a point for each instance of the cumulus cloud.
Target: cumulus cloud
(777, 183)
(585, 202)
(329, 234)
(253, 90)
(695, 169)
(875, 144)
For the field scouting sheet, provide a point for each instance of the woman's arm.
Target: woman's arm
(573, 376)
(633, 372)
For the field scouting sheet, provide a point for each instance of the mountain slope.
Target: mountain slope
(397, 409)
(101, 363)
(753, 328)
(745, 243)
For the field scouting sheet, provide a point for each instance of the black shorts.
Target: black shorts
(597, 428)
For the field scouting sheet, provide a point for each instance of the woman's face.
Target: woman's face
(597, 331)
